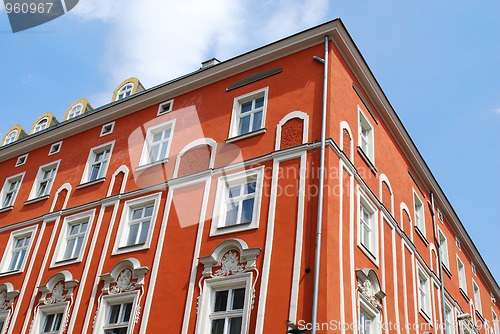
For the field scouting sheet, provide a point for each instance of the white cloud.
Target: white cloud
(157, 40)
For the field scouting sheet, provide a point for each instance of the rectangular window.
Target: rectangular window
(443, 247)
(367, 226)
(237, 203)
(496, 326)
(10, 190)
(97, 163)
(365, 138)
(448, 318)
(74, 240)
(424, 294)
(107, 129)
(21, 160)
(249, 113)
(365, 322)
(44, 180)
(419, 213)
(165, 107)
(52, 323)
(366, 229)
(157, 143)
(17, 250)
(227, 313)
(138, 225)
(118, 318)
(115, 314)
(462, 283)
(55, 148)
(477, 297)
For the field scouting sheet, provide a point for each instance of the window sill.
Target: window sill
(60, 263)
(7, 208)
(367, 160)
(246, 135)
(478, 314)
(368, 254)
(421, 235)
(447, 271)
(131, 248)
(426, 317)
(233, 229)
(151, 164)
(36, 199)
(464, 294)
(6, 273)
(88, 184)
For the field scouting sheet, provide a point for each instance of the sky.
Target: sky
(437, 62)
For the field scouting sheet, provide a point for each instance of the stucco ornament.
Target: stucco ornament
(366, 290)
(123, 283)
(230, 265)
(369, 287)
(57, 294)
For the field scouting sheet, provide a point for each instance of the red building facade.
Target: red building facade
(191, 207)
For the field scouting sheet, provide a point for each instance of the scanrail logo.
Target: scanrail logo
(26, 14)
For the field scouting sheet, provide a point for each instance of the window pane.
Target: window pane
(83, 227)
(235, 325)
(126, 312)
(246, 215)
(246, 107)
(245, 125)
(218, 326)
(220, 301)
(257, 121)
(163, 152)
(74, 229)
(114, 313)
(137, 214)
(153, 154)
(231, 214)
(69, 249)
(238, 299)
(148, 211)
(132, 235)
(144, 232)
(95, 172)
(48, 323)
(259, 103)
(234, 191)
(79, 242)
(249, 188)
(157, 136)
(57, 322)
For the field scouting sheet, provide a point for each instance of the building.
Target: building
(192, 207)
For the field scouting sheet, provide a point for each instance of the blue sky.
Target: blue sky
(437, 61)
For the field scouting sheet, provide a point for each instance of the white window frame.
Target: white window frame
(363, 122)
(443, 247)
(364, 202)
(419, 213)
(477, 297)
(101, 318)
(125, 90)
(72, 114)
(58, 256)
(374, 315)
(424, 306)
(10, 138)
(165, 107)
(90, 160)
(39, 128)
(21, 160)
(44, 311)
(7, 255)
(234, 129)
(496, 325)
(145, 158)
(55, 148)
(107, 129)
(39, 179)
(219, 213)
(449, 324)
(123, 229)
(210, 286)
(5, 190)
(462, 277)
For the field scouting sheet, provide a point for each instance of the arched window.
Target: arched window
(10, 137)
(42, 124)
(125, 91)
(75, 111)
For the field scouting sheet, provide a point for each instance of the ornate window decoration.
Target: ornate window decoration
(227, 288)
(52, 311)
(7, 296)
(119, 301)
(369, 288)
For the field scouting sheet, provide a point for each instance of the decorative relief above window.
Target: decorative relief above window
(7, 297)
(369, 287)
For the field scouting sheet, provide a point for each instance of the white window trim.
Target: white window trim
(86, 176)
(9, 139)
(40, 121)
(495, 321)
(102, 312)
(121, 237)
(234, 126)
(31, 231)
(368, 308)
(424, 310)
(161, 111)
(45, 310)
(74, 108)
(58, 148)
(362, 118)
(421, 225)
(219, 213)
(145, 148)
(445, 260)
(57, 259)
(20, 161)
(210, 285)
(112, 125)
(462, 281)
(38, 179)
(19, 177)
(122, 88)
(451, 321)
(477, 297)
(372, 254)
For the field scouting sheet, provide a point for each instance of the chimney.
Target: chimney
(209, 63)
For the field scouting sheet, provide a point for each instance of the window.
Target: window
(366, 322)
(477, 297)
(11, 137)
(42, 124)
(137, 223)
(457, 242)
(116, 314)
(165, 107)
(461, 276)
(17, 249)
(125, 91)
(496, 327)
(73, 238)
(107, 129)
(50, 318)
(44, 180)
(424, 294)
(237, 203)
(21, 160)
(473, 267)
(448, 318)
(369, 317)
(419, 214)
(97, 163)
(224, 305)
(10, 189)
(440, 215)
(157, 143)
(75, 111)
(118, 318)
(367, 226)
(365, 138)
(52, 323)
(443, 246)
(249, 113)
(55, 148)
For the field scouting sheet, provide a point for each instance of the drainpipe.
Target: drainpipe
(436, 238)
(321, 186)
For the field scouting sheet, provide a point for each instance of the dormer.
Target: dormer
(15, 133)
(78, 108)
(127, 88)
(43, 122)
